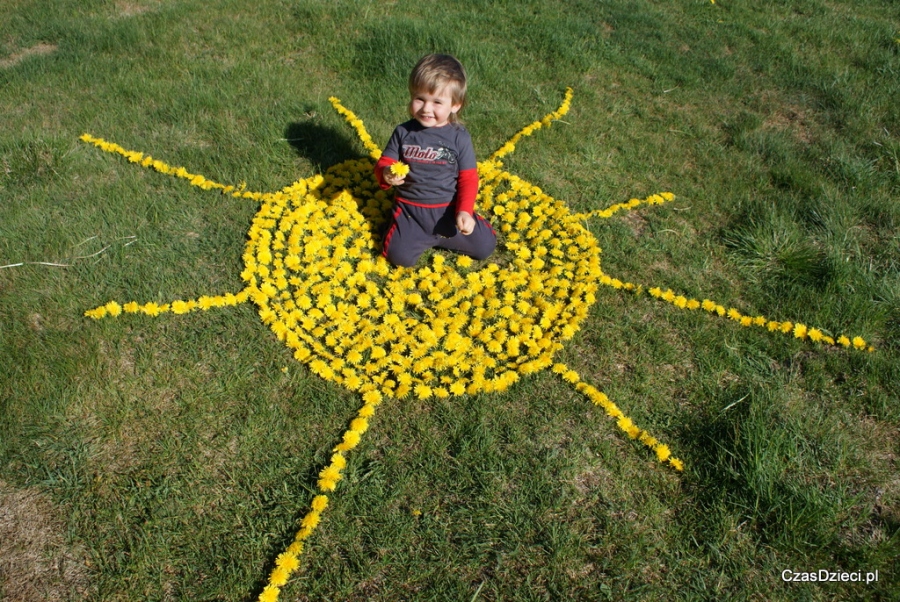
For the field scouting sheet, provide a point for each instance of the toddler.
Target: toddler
(434, 202)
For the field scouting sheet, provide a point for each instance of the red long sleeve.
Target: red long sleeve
(466, 191)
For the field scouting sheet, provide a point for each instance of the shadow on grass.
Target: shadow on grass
(752, 464)
(755, 472)
(323, 146)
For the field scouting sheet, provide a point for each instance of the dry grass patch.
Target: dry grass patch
(790, 119)
(36, 563)
(125, 9)
(39, 49)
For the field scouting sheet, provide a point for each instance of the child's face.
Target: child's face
(433, 110)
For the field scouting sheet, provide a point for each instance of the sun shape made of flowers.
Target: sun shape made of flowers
(312, 266)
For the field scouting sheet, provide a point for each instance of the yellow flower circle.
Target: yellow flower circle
(313, 267)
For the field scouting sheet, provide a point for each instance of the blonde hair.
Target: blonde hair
(436, 72)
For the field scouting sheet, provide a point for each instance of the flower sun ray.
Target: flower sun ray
(449, 327)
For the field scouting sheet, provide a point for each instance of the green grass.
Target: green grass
(170, 458)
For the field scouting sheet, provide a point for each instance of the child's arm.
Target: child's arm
(390, 156)
(466, 191)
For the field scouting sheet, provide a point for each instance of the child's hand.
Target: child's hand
(465, 223)
(391, 179)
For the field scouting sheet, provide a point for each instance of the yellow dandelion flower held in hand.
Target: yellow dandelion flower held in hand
(399, 169)
(313, 269)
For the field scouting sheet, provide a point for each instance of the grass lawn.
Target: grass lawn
(171, 458)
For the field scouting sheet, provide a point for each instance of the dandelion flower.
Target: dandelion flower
(269, 594)
(288, 561)
(311, 520)
(399, 169)
(279, 576)
(662, 452)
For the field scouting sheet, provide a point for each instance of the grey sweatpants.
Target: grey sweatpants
(414, 229)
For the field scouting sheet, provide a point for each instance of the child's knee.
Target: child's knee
(483, 251)
(401, 257)
(485, 246)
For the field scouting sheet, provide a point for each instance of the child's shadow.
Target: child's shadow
(323, 146)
